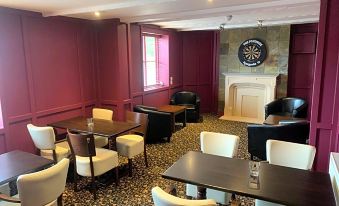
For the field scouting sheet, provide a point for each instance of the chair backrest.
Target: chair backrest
(219, 144)
(185, 97)
(291, 103)
(259, 134)
(43, 187)
(162, 198)
(81, 144)
(43, 137)
(105, 114)
(290, 154)
(140, 118)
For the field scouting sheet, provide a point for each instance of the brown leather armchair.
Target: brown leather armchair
(297, 132)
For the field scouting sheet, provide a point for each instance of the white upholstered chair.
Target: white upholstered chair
(44, 139)
(133, 144)
(91, 161)
(288, 154)
(104, 114)
(162, 198)
(40, 188)
(217, 144)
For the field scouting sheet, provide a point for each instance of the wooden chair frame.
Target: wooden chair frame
(83, 145)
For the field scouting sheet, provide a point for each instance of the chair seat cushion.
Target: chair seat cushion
(4, 203)
(100, 141)
(130, 145)
(104, 161)
(62, 150)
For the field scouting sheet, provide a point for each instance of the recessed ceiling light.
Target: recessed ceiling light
(210, 1)
(97, 14)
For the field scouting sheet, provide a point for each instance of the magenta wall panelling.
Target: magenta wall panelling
(301, 61)
(47, 72)
(325, 98)
(199, 66)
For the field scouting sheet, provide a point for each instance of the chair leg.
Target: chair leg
(94, 188)
(75, 178)
(59, 200)
(129, 167)
(145, 156)
(116, 176)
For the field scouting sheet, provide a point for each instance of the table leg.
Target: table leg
(173, 122)
(184, 123)
(112, 143)
(201, 194)
(13, 188)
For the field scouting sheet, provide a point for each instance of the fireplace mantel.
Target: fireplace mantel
(246, 96)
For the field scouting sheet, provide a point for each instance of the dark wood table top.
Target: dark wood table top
(16, 163)
(275, 119)
(106, 128)
(278, 184)
(172, 109)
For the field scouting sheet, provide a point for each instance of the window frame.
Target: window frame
(144, 61)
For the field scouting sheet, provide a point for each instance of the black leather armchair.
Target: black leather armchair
(297, 132)
(159, 124)
(192, 102)
(288, 106)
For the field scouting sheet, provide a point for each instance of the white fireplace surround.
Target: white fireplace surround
(246, 96)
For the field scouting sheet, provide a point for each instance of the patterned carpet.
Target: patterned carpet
(136, 190)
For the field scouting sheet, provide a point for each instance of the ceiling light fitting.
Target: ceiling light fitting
(222, 26)
(260, 23)
(97, 14)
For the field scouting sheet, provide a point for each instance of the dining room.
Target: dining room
(125, 91)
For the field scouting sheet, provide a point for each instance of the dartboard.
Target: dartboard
(252, 52)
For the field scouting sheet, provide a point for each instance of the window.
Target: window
(151, 60)
(155, 60)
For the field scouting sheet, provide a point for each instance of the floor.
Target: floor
(136, 190)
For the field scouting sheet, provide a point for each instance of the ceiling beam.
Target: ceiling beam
(310, 19)
(105, 7)
(217, 12)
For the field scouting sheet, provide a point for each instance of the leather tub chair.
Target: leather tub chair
(192, 102)
(159, 124)
(288, 106)
(258, 135)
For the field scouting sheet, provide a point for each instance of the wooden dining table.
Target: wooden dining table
(105, 128)
(16, 163)
(273, 119)
(277, 184)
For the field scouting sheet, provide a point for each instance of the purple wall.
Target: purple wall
(47, 73)
(160, 96)
(301, 61)
(55, 68)
(199, 66)
(325, 99)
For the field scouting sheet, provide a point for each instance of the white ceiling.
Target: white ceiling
(180, 14)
